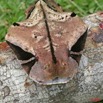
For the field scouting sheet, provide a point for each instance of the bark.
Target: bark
(85, 87)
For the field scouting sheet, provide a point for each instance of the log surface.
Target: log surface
(85, 87)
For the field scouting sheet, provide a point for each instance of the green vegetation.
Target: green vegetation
(13, 10)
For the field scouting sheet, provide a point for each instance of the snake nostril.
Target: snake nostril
(16, 24)
(73, 14)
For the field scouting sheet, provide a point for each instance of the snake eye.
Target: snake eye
(78, 47)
